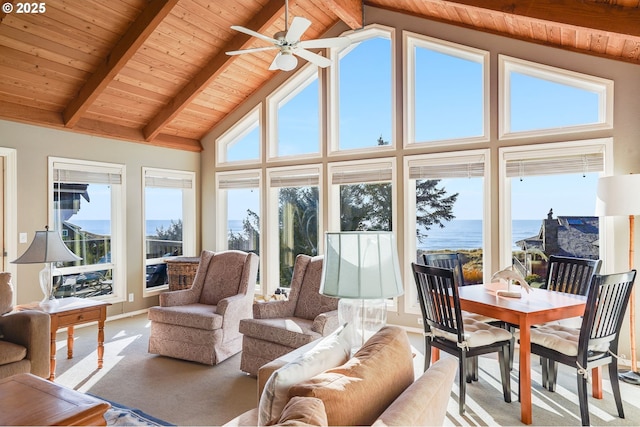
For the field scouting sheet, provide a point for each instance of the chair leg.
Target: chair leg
(427, 353)
(462, 362)
(582, 397)
(545, 372)
(615, 386)
(475, 368)
(504, 373)
(552, 374)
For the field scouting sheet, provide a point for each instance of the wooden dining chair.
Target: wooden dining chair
(446, 329)
(453, 261)
(572, 276)
(595, 343)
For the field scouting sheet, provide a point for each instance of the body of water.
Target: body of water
(103, 227)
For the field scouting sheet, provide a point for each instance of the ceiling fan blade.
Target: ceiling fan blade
(298, 26)
(273, 65)
(255, 49)
(330, 42)
(253, 33)
(320, 61)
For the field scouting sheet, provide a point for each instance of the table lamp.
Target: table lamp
(361, 268)
(47, 247)
(615, 197)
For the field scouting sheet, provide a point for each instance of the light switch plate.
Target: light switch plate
(23, 237)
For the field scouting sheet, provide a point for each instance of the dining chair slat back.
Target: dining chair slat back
(571, 275)
(446, 329)
(451, 261)
(597, 339)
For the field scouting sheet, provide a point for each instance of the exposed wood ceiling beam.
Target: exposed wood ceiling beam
(349, 11)
(262, 20)
(586, 14)
(140, 30)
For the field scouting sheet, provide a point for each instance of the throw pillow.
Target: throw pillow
(303, 411)
(6, 293)
(357, 392)
(332, 350)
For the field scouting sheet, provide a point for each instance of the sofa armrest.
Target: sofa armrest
(273, 309)
(30, 329)
(325, 323)
(423, 403)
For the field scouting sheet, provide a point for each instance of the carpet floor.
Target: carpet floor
(185, 393)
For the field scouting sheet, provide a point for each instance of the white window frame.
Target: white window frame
(118, 263)
(603, 146)
(298, 174)
(414, 40)
(244, 126)
(247, 178)
(168, 178)
(440, 160)
(603, 87)
(290, 89)
(333, 136)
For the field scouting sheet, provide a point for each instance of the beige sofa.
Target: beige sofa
(318, 384)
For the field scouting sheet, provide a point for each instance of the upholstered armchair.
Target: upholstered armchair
(25, 343)
(280, 326)
(201, 323)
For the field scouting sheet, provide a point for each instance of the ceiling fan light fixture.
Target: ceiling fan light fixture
(286, 61)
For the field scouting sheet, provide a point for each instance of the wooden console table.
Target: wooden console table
(69, 312)
(28, 400)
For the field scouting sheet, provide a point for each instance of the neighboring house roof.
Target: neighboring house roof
(576, 236)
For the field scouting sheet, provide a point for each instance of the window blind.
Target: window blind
(553, 165)
(450, 167)
(61, 174)
(373, 172)
(237, 181)
(167, 182)
(295, 178)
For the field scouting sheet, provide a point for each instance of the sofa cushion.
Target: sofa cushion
(198, 316)
(10, 352)
(6, 293)
(357, 392)
(303, 411)
(333, 350)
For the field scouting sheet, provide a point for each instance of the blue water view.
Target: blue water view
(103, 227)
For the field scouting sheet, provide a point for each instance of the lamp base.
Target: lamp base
(364, 317)
(630, 377)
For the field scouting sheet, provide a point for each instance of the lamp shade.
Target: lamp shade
(361, 265)
(616, 197)
(47, 246)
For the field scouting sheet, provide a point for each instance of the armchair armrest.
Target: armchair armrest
(30, 329)
(273, 309)
(325, 323)
(233, 309)
(179, 297)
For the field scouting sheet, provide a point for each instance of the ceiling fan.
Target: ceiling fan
(290, 45)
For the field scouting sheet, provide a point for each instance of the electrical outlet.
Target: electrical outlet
(23, 237)
(420, 322)
(131, 297)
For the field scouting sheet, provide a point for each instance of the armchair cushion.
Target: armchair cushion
(200, 316)
(289, 331)
(10, 352)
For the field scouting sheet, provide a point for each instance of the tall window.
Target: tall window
(241, 143)
(294, 115)
(550, 196)
(354, 127)
(446, 91)
(542, 100)
(169, 221)
(89, 211)
(294, 218)
(238, 210)
(446, 208)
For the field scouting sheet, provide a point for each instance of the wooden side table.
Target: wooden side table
(28, 400)
(69, 312)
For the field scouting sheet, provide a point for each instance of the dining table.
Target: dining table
(531, 308)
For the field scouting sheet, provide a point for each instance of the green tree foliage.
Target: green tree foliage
(249, 239)
(173, 232)
(433, 206)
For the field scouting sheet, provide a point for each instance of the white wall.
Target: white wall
(34, 145)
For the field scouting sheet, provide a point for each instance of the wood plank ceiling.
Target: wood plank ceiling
(156, 72)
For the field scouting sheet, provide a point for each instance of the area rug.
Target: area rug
(120, 415)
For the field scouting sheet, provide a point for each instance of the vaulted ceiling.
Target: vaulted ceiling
(156, 72)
